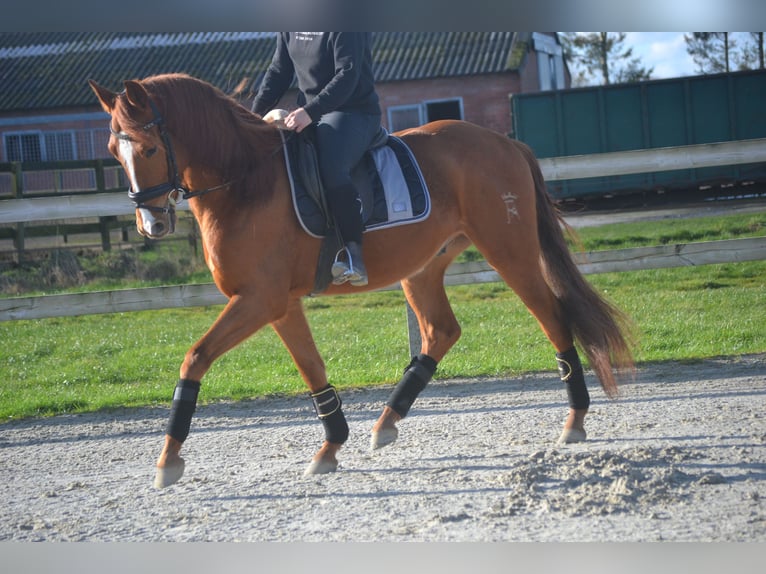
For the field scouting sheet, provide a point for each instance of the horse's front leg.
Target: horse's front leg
(295, 333)
(241, 317)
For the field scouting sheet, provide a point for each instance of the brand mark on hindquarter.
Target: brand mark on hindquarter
(510, 205)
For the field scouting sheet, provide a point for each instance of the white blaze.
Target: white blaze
(126, 152)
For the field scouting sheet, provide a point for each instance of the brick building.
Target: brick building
(48, 113)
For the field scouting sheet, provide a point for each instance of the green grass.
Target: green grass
(663, 232)
(674, 231)
(86, 363)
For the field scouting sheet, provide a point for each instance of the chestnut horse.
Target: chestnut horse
(177, 135)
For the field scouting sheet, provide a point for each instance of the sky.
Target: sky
(664, 51)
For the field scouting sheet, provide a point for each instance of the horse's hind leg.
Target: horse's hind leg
(534, 291)
(439, 331)
(542, 303)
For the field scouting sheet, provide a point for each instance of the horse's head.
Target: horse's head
(141, 143)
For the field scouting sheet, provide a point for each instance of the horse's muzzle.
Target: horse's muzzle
(154, 227)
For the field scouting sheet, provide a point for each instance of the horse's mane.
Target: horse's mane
(217, 131)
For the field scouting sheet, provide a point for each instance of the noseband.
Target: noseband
(173, 186)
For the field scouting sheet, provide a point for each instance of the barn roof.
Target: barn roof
(44, 70)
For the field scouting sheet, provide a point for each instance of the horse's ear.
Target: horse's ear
(136, 93)
(106, 97)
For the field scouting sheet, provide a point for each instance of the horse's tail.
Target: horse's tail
(601, 330)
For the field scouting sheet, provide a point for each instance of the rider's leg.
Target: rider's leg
(342, 139)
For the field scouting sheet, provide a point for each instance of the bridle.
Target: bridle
(173, 187)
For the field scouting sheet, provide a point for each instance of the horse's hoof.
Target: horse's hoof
(169, 475)
(383, 437)
(569, 436)
(321, 467)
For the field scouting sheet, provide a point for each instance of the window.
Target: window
(23, 147)
(444, 110)
(63, 145)
(94, 144)
(403, 117)
(413, 115)
(59, 146)
(39, 146)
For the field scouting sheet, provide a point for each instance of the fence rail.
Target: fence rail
(656, 159)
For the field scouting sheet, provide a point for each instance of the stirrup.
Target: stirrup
(340, 270)
(343, 271)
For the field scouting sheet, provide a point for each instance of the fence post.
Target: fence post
(103, 222)
(18, 193)
(413, 330)
(103, 227)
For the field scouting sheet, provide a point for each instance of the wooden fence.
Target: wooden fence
(202, 295)
(62, 190)
(103, 204)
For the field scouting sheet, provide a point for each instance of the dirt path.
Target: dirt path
(680, 456)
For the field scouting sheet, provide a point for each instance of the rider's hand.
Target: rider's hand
(297, 120)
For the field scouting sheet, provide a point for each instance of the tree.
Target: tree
(716, 52)
(603, 54)
(750, 56)
(758, 37)
(710, 51)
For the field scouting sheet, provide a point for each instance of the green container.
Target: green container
(642, 115)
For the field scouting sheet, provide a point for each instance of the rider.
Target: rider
(337, 93)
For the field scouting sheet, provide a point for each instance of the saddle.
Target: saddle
(388, 180)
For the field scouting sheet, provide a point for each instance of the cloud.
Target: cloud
(663, 51)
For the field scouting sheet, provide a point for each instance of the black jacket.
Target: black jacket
(334, 72)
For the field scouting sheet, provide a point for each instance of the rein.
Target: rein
(173, 186)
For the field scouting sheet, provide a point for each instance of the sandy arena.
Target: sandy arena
(678, 457)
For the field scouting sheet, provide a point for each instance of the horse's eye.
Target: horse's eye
(151, 152)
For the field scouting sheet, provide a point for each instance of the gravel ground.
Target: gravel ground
(679, 456)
